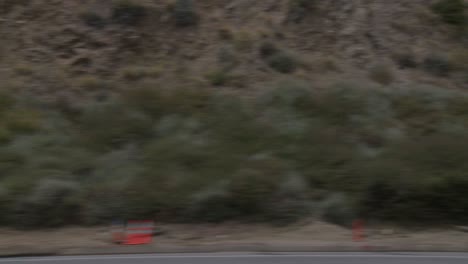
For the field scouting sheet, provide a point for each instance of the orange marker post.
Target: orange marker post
(358, 231)
(139, 232)
(118, 232)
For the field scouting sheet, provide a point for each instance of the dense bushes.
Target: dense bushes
(205, 155)
(111, 125)
(437, 65)
(283, 62)
(6, 101)
(425, 203)
(382, 74)
(279, 60)
(218, 77)
(451, 11)
(337, 209)
(15, 120)
(129, 13)
(184, 13)
(300, 9)
(93, 19)
(51, 203)
(406, 60)
(8, 5)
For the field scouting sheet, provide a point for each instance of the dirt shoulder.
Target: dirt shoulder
(230, 237)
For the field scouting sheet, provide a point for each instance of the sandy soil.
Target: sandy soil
(313, 236)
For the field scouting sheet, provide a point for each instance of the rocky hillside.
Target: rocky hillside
(66, 47)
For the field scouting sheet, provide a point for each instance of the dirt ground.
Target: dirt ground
(312, 236)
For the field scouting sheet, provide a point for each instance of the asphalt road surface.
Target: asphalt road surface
(278, 258)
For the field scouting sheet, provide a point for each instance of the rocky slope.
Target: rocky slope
(47, 45)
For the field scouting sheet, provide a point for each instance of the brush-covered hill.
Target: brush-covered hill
(249, 110)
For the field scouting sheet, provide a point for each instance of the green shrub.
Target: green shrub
(227, 58)
(379, 199)
(438, 152)
(177, 131)
(427, 202)
(459, 60)
(187, 101)
(251, 190)
(327, 64)
(268, 49)
(451, 11)
(243, 41)
(287, 94)
(218, 78)
(5, 135)
(93, 19)
(7, 5)
(382, 74)
(448, 199)
(300, 9)
(465, 78)
(292, 201)
(136, 73)
(23, 69)
(337, 209)
(92, 83)
(211, 205)
(437, 65)
(6, 101)
(129, 13)
(406, 61)
(413, 103)
(51, 203)
(283, 62)
(146, 98)
(111, 124)
(418, 181)
(225, 33)
(4, 205)
(23, 120)
(103, 205)
(184, 13)
(337, 104)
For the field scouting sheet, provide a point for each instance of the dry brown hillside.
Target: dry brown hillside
(68, 47)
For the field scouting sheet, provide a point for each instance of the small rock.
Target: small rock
(159, 232)
(231, 6)
(387, 232)
(462, 228)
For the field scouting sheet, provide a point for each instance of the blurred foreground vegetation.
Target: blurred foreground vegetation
(197, 155)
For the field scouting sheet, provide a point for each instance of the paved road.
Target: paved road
(305, 258)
